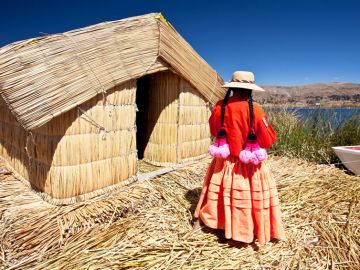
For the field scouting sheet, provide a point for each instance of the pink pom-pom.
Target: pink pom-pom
(245, 156)
(220, 148)
(253, 153)
(224, 150)
(213, 150)
(261, 154)
(253, 159)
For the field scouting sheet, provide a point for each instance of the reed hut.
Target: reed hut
(80, 108)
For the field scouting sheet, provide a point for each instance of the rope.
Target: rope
(64, 88)
(156, 57)
(104, 93)
(93, 122)
(92, 71)
(146, 70)
(101, 58)
(108, 104)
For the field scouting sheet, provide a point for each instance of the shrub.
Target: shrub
(312, 137)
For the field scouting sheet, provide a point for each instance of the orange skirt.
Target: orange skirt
(242, 200)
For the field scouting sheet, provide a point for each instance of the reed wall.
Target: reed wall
(193, 132)
(86, 149)
(13, 140)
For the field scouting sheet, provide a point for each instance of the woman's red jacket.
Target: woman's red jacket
(236, 124)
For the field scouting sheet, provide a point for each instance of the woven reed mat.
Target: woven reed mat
(147, 225)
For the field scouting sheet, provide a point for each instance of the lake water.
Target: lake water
(335, 115)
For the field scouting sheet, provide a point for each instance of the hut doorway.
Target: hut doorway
(142, 103)
(157, 99)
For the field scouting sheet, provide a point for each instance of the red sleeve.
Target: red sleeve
(214, 120)
(265, 133)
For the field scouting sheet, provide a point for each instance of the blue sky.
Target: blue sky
(282, 42)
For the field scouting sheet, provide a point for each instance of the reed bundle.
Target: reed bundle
(152, 229)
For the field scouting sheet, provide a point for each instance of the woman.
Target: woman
(239, 194)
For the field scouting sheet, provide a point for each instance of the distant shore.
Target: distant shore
(296, 105)
(325, 95)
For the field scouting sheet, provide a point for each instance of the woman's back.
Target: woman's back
(236, 124)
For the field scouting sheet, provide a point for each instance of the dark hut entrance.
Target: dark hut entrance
(142, 103)
(157, 100)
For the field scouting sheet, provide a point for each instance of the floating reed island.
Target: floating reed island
(147, 225)
(79, 109)
(81, 112)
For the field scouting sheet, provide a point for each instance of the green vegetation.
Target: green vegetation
(311, 138)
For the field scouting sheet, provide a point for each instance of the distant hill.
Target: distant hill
(326, 94)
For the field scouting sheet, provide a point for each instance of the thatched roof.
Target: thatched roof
(43, 77)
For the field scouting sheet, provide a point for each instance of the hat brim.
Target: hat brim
(250, 86)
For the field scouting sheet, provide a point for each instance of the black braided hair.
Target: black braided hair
(251, 135)
(222, 132)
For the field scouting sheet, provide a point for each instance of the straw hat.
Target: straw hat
(243, 79)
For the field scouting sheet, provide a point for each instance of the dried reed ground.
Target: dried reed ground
(150, 227)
